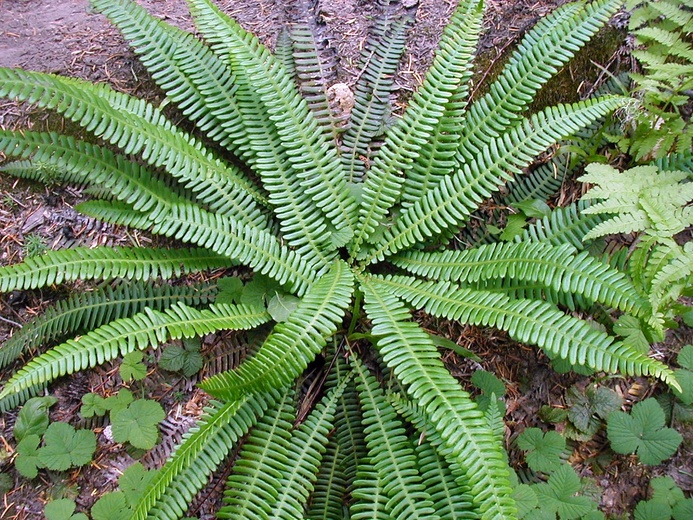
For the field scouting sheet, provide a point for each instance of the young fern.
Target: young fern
(323, 230)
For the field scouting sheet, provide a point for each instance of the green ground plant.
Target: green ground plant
(342, 250)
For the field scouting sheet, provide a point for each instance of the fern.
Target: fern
(323, 218)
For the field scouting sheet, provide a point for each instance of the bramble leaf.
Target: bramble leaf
(134, 481)
(559, 494)
(186, 359)
(544, 450)
(93, 404)
(643, 432)
(111, 506)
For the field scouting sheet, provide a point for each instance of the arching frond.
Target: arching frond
(415, 131)
(560, 268)
(192, 76)
(528, 321)
(106, 263)
(566, 225)
(254, 484)
(138, 128)
(145, 329)
(199, 453)
(293, 343)
(543, 50)
(88, 310)
(449, 204)
(413, 357)
(317, 166)
(391, 452)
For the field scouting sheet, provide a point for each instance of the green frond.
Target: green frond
(138, 128)
(302, 226)
(415, 360)
(105, 263)
(405, 141)
(331, 486)
(677, 161)
(543, 51)
(308, 444)
(528, 321)
(457, 50)
(254, 484)
(451, 202)
(88, 310)
(55, 157)
(391, 452)
(559, 268)
(566, 225)
(670, 281)
(199, 453)
(312, 75)
(368, 497)
(247, 245)
(293, 344)
(314, 160)
(192, 76)
(12, 401)
(379, 61)
(143, 330)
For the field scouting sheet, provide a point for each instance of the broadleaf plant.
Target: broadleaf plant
(345, 248)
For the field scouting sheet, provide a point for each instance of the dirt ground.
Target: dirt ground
(65, 37)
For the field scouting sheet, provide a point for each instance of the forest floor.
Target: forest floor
(65, 37)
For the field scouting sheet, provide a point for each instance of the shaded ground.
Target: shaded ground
(65, 37)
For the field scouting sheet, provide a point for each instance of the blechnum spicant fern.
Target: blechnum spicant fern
(342, 250)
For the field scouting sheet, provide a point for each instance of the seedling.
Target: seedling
(118, 505)
(133, 366)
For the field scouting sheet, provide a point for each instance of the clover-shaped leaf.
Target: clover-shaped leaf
(138, 423)
(643, 432)
(134, 480)
(132, 366)
(544, 450)
(559, 494)
(119, 401)
(93, 404)
(66, 447)
(27, 461)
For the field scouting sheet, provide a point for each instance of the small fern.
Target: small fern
(324, 218)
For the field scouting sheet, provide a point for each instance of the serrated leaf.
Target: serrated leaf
(685, 379)
(643, 432)
(281, 306)
(533, 208)
(685, 357)
(552, 415)
(111, 506)
(93, 404)
(525, 499)
(559, 494)
(134, 481)
(665, 489)
(132, 366)
(652, 510)
(516, 223)
(138, 423)
(230, 290)
(603, 401)
(630, 329)
(27, 460)
(259, 291)
(187, 359)
(33, 417)
(62, 509)
(65, 447)
(488, 383)
(544, 450)
(119, 401)
(683, 510)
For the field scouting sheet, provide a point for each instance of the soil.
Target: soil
(65, 37)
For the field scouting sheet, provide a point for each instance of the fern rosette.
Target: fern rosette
(345, 238)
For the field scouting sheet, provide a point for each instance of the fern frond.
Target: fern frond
(414, 359)
(677, 161)
(331, 486)
(308, 444)
(415, 131)
(369, 499)
(458, 47)
(201, 450)
(450, 203)
(301, 225)
(88, 310)
(560, 268)
(254, 485)
(293, 343)
(312, 74)
(106, 263)
(528, 321)
(145, 329)
(379, 61)
(317, 166)
(56, 157)
(566, 225)
(192, 76)
(543, 50)
(391, 452)
(138, 128)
